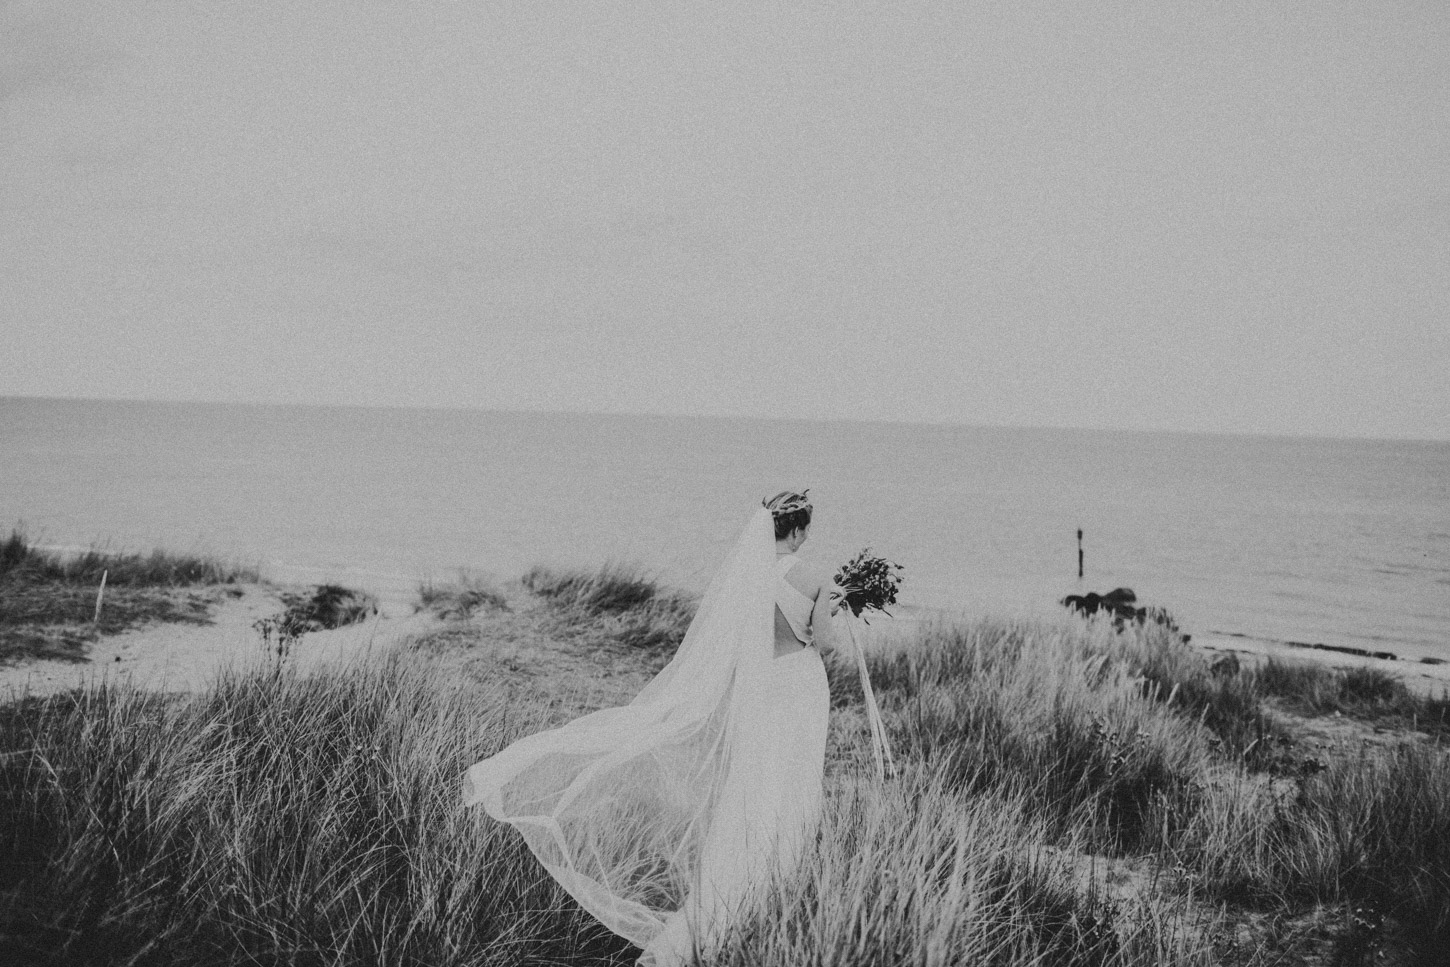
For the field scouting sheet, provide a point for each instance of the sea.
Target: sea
(1338, 542)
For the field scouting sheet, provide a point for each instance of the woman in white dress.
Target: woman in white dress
(665, 817)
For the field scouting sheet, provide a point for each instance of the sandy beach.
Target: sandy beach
(184, 657)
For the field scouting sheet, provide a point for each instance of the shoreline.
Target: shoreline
(1426, 676)
(1430, 677)
(171, 655)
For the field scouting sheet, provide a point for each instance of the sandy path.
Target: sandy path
(184, 657)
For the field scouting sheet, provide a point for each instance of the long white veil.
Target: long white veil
(631, 809)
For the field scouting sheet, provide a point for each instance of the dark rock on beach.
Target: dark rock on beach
(1346, 650)
(1120, 603)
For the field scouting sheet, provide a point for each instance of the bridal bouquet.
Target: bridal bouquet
(867, 584)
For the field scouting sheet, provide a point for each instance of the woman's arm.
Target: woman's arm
(823, 627)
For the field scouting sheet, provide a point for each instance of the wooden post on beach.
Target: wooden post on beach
(100, 592)
(1079, 553)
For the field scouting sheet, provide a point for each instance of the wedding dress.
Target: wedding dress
(666, 817)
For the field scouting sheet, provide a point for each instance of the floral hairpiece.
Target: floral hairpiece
(788, 502)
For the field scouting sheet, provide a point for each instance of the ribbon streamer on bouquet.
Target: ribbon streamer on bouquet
(885, 763)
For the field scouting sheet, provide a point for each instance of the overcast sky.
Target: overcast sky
(1200, 216)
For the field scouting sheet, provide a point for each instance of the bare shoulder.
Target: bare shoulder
(808, 578)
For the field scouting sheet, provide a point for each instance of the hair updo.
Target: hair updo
(791, 509)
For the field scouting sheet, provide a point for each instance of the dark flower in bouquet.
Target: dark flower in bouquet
(867, 583)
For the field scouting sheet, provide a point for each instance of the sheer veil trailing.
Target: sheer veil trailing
(633, 809)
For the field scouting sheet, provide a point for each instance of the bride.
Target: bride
(665, 817)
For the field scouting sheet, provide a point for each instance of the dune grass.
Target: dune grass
(328, 606)
(618, 604)
(19, 558)
(315, 820)
(1226, 701)
(614, 587)
(1366, 693)
(1370, 831)
(275, 818)
(48, 600)
(1046, 713)
(914, 873)
(1132, 743)
(460, 598)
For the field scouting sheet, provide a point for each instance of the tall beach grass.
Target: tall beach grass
(1132, 743)
(272, 819)
(617, 604)
(277, 818)
(460, 598)
(316, 820)
(53, 604)
(21, 558)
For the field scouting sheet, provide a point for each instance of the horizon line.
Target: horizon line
(947, 424)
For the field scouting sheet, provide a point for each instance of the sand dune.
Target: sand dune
(183, 657)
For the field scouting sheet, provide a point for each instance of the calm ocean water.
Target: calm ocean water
(1312, 540)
